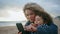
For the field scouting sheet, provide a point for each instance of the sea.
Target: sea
(10, 23)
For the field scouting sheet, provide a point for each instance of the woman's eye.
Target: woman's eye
(38, 19)
(26, 15)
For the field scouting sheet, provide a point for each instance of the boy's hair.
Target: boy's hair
(46, 17)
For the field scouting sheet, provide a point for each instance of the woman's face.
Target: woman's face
(30, 15)
(38, 20)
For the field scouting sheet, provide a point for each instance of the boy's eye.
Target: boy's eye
(37, 19)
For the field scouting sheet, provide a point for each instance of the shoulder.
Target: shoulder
(53, 26)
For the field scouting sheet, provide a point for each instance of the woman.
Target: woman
(30, 11)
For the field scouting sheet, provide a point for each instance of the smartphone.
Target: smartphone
(20, 27)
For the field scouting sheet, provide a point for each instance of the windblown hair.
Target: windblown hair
(38, 10)
(33, 6)
(46, 17)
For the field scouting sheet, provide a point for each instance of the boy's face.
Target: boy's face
(38, 20)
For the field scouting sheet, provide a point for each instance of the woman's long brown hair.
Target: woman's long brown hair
(38, 10)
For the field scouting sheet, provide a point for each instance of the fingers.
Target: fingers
(19, 32)
(25, 28)
(28, 28)
(31, 23)
(34, 29)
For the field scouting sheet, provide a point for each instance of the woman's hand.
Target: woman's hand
(28, 28)
(25, 28)
(19, 32)
(33, 29)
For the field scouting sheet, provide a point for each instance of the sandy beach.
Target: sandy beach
(14, 30)
(8, 30)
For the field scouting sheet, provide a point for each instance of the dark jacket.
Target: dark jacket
(44, 29)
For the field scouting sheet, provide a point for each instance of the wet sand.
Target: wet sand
(8, 30)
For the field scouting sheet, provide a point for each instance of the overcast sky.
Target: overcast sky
(11, 10)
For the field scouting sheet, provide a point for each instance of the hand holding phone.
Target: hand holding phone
(20, 27)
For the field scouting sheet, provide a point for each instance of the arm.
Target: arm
(26, 25)
(45, 29)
